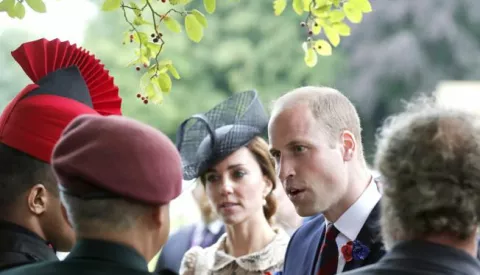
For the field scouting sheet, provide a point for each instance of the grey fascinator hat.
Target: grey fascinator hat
(203, 140)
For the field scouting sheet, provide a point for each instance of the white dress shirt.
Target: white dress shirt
(352, 221)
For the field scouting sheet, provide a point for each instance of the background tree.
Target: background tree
(406, 47)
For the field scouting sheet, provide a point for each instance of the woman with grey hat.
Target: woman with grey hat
(224, 149)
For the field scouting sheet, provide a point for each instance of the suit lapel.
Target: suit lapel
(369, 236)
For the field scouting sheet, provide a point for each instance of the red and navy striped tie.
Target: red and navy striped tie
(329, 252)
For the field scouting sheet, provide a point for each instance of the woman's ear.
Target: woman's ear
(268, 186)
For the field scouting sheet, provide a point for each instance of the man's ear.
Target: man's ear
(349, 145)
(37, 199)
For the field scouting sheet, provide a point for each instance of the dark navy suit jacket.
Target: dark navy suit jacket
(304, 246)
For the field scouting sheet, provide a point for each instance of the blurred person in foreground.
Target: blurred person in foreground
(315, 138)
(117, 177)
(429, 157)
(224, 148)
(67, 82)
(203, 233)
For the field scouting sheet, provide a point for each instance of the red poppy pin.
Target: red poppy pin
(354, 251)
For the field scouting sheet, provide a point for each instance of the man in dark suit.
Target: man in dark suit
(203, 234)
(117, 177)
(32, 227)
(315, 138)
(429, 157)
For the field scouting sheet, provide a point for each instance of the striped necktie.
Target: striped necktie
(329, 252)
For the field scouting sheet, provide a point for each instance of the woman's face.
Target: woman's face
(237, 187)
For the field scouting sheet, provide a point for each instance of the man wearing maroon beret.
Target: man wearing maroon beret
(117, 177)
(67, 81)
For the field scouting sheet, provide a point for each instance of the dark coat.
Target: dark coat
(302, 256)
(422, 258)
(92, 257)
(19, 246)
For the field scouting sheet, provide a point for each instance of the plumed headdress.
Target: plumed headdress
(67, 81)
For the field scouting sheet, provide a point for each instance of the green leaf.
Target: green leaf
(136, 9)
(332, 35)
(172, 24)
(165, 82)
(154, 48)
(322, 47)
(110, 5)
(138, 21)
(363, 5)
(37, 5)
(336, 16)
(353, 13)
(310, 57)
(279, 6)
(342, 28)
(150, 91)
(193, 28)
(7, 5)
(210, 5)
(19, 10)
(140, 37)
(298, 6)
(200, 17)
(306, 5)
(173, 71)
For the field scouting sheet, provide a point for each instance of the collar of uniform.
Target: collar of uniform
(108, 251)
(352, 221)
(447, 259)
(16, 238)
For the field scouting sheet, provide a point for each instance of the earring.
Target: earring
(264, 201)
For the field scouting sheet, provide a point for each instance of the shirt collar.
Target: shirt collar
(352, 221)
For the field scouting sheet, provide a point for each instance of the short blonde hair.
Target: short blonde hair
(330, 107)
(429, 157)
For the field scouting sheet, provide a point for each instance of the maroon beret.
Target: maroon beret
(119, 155)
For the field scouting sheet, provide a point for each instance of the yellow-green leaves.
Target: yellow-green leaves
(322, 47)
(332, 35)
(353, 13)
(7, 5)
(310, 57)
(325, 18)
(37, 5)
(298, 6)
(200, 18)
(165, 82)
(210, 5)
(279, 6)
(16, 9)
(193, 28)
(19, 10)
(110, 5)
(172, 24)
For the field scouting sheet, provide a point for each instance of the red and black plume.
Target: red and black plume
(68, 81)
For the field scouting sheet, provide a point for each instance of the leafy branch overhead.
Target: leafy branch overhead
(324, 19)
(148, 23)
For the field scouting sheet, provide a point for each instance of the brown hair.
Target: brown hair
(259, 148)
